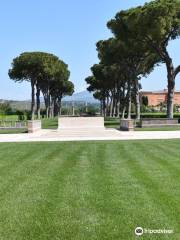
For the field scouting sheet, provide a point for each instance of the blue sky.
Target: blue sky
(68, 29)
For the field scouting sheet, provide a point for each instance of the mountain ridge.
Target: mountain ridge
(83, 96)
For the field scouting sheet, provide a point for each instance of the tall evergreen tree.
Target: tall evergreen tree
(153, 25)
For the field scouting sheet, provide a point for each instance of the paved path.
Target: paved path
(87, 134)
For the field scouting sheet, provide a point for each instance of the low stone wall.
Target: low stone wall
(127, 125)
(34, 126)
(80, 122)
(158, 122)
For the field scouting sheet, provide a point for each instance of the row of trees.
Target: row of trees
(47, 74)
(141, 37)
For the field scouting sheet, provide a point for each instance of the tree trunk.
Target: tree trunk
(170, 97)
(107, 106)
(118, 108)
(60, 106)
(32, 100)
(38, 103)
(129, 102)
(114, 105)
(73, 112)
(111, 107)
(170, 104)
(104, 107)
(101, 107)
(123, 112)
(56, 107)
(51, 107)
(123, 100)
(47, 112)
(171, 87)
(48, 103)
(138, 110)
(60, 110)
(171, 75)
(117, 103)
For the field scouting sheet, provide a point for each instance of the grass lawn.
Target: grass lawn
(173, 128)
(115, 123)
(89, 190)
(11, 131)
(51, 123)
(112, 122)
(9, 117)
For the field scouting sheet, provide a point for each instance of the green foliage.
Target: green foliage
(145, 101)
(47, 73)
(5, 108)
(123, 61)
(157, 21)
(143, 108)
(152, 26)
(91, 110)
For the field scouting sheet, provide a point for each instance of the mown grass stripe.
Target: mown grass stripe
(164, 202)
(53, 213)
(89, 190)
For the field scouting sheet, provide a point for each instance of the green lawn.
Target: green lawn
(112, 122)
(115, 123)
(11, 131)
(51, 123)
(9, 117)
(89, 190)
(165, 128)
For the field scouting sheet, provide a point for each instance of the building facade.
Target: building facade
(155, 98)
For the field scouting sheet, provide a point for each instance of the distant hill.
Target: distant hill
(83, 96)
(20, 105)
